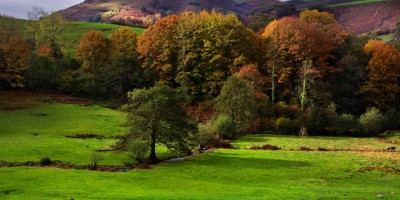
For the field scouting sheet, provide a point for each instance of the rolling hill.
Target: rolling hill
(382, 15)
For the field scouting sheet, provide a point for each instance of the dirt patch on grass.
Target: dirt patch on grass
(265, 147)
(86, 135)
(388, 141)
(392, 156)
(386, 169)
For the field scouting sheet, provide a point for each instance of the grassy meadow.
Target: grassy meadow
(356, 3)
(69, 39)
(73, 30)
(32, 128)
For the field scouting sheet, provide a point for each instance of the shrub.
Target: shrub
(206, 135)
(281, 109)
(215, 129)
(46, 161)
(222, 144)
(372, 121)
(392, 119)
(225, 127)
(137, 149)
(305, 149)
(265, 147)
(96, 158)
(344, 123)
(286, 125)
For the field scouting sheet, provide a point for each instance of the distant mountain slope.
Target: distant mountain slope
(359, 18)
(369, 17)
(145, 12)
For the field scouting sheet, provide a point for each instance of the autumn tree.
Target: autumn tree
(123, 41)
(155, 117)
(213, 47)
(382, 88)
(14, 54)
(196, 52)
(158, 47)
(308, 42)
(93, 50)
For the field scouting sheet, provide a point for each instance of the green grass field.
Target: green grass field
(31, 129)
(356, 3)
(69, 39)
(387, 37)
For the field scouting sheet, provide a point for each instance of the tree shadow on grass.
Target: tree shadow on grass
(228, 160)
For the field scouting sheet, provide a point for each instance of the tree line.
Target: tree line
(303, 75)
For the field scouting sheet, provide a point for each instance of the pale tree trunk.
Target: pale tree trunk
(306, 65)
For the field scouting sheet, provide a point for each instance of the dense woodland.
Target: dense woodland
(198, 78)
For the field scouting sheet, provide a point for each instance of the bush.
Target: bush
(265, 147)
(225, 127)
(46, 161)
(286, 126)
(392, 119)
(43, 73)
(137, 149)
(222, 144)
(206, 135)
(221, 127)
(344, 123)
(372, 122)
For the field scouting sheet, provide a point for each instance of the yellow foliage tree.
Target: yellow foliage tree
(123, 41)
(93, 50)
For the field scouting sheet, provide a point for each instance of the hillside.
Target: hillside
(350, 13)
(69, 38)
(381, 16)
(145, 12)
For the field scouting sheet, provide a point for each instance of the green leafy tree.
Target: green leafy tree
(49, 28)
(156, 117)
(237, 100)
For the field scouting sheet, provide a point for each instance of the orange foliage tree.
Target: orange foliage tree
(158, 47)
(14, 54)
(305, 44)
(383, 70)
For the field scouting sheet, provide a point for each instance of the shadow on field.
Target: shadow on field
(235, 161)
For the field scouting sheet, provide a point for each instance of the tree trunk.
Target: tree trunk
(153, 158)
(273, 85)
(303, 96)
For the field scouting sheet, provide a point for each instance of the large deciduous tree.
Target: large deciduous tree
(158, 47)
(14, 54)
(123, 41)
(237, 100)
(156, 117)
(383, 70)
(93, 50)
(49, 28)
(198, 51)
(307, 44)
